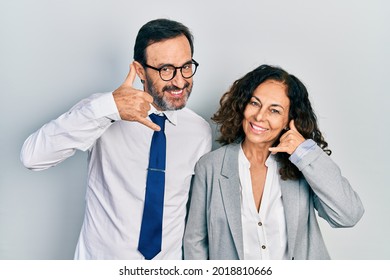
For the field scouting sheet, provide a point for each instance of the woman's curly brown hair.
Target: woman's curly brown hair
(230, 115)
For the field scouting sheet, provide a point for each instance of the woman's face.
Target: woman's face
(266, 114)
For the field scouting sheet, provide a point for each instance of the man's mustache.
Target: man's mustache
(173, 88)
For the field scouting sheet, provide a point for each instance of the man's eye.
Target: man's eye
(166, 69)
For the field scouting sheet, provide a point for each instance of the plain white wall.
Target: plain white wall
(54, 53)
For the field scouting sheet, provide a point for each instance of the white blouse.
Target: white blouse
(264, 232)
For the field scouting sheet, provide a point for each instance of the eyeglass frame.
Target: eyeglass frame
(175, 72)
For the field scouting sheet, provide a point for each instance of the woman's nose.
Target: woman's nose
(259, 116)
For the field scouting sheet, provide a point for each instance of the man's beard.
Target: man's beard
(159, 97)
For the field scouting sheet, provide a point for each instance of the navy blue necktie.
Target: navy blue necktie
(149, 243)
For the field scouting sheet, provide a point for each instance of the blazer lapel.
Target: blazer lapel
(230, 189)
(290, 197)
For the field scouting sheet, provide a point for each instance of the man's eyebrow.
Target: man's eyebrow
(169, 64)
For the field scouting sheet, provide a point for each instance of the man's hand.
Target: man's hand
(133, 104)
(289, 141)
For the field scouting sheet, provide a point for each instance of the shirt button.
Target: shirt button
(263, 247)
(259, 224)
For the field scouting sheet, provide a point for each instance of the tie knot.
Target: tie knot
(159, 120)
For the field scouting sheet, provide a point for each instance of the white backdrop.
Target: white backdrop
(54, 53)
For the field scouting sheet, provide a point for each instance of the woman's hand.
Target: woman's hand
(289, 141)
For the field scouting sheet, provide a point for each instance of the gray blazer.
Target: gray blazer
(214, 229)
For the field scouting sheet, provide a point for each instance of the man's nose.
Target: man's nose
(178, 80)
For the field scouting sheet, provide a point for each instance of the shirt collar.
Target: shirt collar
(171, 115)
(271, 161)
(242, 158)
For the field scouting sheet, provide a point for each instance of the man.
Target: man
(116, 129)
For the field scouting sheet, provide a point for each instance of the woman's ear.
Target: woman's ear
(287, 127)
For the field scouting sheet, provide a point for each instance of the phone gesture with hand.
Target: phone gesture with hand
(133, 104)
(289, 141)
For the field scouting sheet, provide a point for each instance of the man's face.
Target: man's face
(173, 94)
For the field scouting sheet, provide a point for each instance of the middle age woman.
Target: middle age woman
(257, 196)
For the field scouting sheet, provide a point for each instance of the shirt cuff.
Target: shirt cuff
(304, 148)
(105, 107)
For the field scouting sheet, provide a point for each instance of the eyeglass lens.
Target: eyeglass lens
(168, 72)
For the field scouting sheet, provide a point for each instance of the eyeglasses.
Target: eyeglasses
(168, 71)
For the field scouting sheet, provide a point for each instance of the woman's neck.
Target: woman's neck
(255, 153)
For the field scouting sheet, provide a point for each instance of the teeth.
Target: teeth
(258, 128)
(176, 92)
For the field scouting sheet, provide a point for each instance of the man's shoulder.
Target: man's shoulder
(188, 116)
(189, 113)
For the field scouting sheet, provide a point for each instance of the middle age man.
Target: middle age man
(116, 130)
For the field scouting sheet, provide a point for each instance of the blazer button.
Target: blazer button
(259, 224)
(263, 247)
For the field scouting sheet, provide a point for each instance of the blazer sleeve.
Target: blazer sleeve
(334, 198)
(195, 237)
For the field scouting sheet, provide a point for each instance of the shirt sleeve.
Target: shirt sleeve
(74, 130)
(304, 148)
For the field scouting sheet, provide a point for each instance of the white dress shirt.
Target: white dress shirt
(117, 168)
(264, 231)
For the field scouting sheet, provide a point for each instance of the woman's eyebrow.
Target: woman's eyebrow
(273, 105)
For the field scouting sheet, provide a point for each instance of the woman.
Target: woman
(256, 196)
